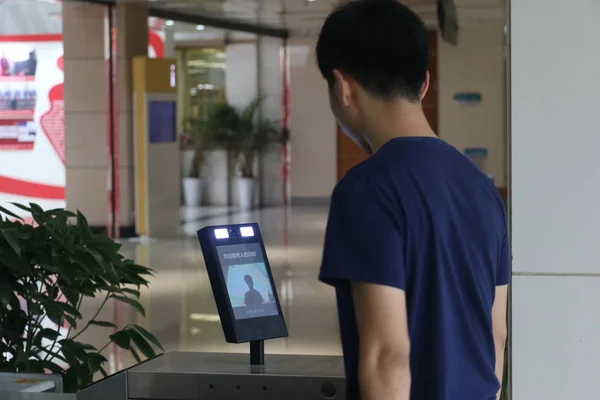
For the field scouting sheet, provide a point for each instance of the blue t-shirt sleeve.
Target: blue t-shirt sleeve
(363, 240)
(503, 272)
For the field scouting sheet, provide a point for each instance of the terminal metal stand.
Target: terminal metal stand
(257, 352)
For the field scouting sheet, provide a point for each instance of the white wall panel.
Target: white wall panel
(555, 140)
(555, 98)
(556, 338)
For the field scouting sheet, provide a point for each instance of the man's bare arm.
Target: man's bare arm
(500, 330)
(384, 345)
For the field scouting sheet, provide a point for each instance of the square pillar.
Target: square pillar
(554, 199)
(86, 86)
(86, 109)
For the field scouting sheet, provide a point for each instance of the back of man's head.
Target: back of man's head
(381, 44)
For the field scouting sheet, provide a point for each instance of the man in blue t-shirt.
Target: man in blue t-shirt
(416, 244)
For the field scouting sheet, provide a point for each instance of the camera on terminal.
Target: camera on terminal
(224, 233)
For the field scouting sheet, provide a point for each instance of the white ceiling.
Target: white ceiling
(301, 17)
(23, 17)
(305, 17)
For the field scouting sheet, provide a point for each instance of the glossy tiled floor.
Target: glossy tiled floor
(180, 309)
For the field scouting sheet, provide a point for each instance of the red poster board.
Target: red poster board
(32, 151)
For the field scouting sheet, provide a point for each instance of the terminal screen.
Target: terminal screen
(247, 279)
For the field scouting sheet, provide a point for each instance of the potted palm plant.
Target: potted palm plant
(47, 271)
(245, 134)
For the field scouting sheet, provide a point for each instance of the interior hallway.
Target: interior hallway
(180, 309)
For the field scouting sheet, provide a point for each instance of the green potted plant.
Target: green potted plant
(47, 270)
(246, 134)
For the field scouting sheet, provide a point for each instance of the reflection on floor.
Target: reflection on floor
(180, 309)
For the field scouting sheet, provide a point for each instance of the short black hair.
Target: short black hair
(382, 44)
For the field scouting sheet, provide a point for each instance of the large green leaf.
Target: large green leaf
(95, 361)
(134, 292)
(13, 261)
(148, 336)
(104, 244)
(46, 333)
(72, 296)
(6, 293)
(38, 214)
(70, 356)
(130, 266)
(56, 238)
(142, 344)
(121, 339)
(66, 273)
(135, 355)
(104, 324)
(51, 268)
(96, 256)
(88, 347)
(22, 207)
(52, 292)
(111, 274)
(71, 320)
(87, 264)
(85, 233)
(32, 365)
(71, 379)
(9, 213)
(76, 348)
(12, 239)
(21, 356)
(84, 375)
(55, 212)
(55, 315)
(67, 308)
(132, 302)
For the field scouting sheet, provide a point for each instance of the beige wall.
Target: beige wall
(477, 64)
(313, 138)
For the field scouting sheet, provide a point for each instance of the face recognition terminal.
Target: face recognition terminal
(249, 308)
(243, 286)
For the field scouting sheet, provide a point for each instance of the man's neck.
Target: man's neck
(391, 121)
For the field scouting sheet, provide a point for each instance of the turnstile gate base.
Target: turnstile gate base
(223, 376)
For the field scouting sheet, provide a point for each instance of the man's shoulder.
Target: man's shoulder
(370, 176)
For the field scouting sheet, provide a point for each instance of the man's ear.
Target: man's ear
(342, 88)
(425, 86)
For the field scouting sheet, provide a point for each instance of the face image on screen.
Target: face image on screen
(248, 285)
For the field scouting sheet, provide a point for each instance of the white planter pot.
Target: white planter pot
(192, 192)
(245, 191)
